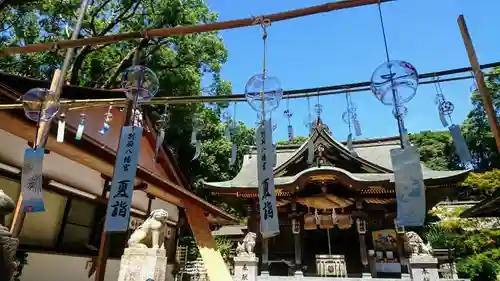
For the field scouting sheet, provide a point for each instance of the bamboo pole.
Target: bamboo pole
(77, 104)
(183, 30)
(481, 85)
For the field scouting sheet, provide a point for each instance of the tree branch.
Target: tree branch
(121, 16)
(125, 61)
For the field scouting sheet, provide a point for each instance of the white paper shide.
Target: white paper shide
(267, 195)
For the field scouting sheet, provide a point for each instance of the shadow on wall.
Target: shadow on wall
(52, 267)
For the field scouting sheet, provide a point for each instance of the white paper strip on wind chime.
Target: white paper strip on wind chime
(159, 142)
(31, 180)
(442, 118)
(122, 185)
(357, 127)
(350, 146)
(61, 127)
(460, 145)
(269, 225)
(234, 153)
(409, 184)
(310, 151)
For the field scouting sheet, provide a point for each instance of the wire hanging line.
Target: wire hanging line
(75, 104)
(183, 30)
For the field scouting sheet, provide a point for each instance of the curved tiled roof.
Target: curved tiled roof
(373, 154)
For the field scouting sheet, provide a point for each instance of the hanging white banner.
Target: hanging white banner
(410, 188)
(269, 225)
(122, 185)
(31, 180)
(460, 144)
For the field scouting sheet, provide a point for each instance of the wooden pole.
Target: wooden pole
(479, 76)
(183, 30)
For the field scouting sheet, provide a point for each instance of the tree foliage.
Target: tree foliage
(436, 150)
(295, 140)
(474, 242)
(485, 182)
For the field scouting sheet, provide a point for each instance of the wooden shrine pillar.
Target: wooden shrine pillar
(361, 227)
(296, 228)
(400, 240)
(265, 257)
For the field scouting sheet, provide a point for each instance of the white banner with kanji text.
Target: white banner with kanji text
(122, 185)
(269, 225)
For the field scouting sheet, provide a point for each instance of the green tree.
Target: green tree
(180, 62)
(477, 130)
(486, 183)
(436, 150)
(295, 140)
(474, 244)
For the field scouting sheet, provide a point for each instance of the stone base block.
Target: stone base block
(298, 273)
(141, 264)
(7, 263)
(246, 268)
(424, 268)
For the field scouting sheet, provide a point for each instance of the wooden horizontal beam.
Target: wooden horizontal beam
(183, 30)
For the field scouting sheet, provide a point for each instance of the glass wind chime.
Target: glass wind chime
(351, 119)
(263, 94)
(395, 83)
(445, 109)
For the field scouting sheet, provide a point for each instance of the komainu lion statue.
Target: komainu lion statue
(155, 226)
(416, 245)
(246, 247)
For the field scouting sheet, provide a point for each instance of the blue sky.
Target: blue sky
(346, 46)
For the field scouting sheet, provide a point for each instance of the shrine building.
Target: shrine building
(65, 242)
(336, 212)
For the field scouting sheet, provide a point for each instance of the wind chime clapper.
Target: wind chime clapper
(263, 94)
(445, 109)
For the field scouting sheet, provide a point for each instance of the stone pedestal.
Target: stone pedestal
(8, 249)
(140, 264)
(245, 268)
(424, 268)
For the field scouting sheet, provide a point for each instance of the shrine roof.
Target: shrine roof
(166, 174)
(371, 154)
(430, 177)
